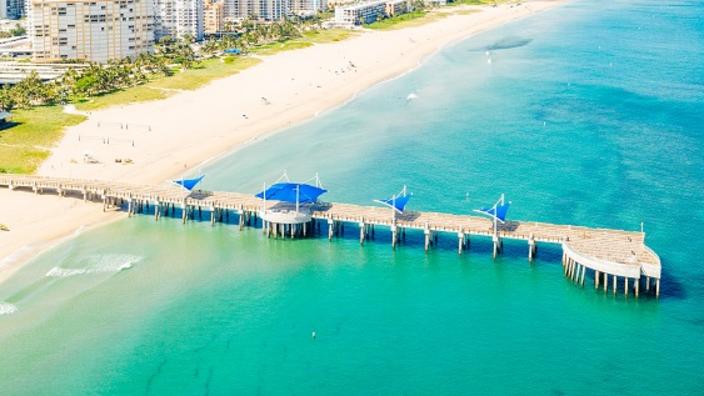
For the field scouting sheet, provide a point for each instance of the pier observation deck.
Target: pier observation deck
(612, 256)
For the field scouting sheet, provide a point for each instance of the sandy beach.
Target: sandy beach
(165, 138)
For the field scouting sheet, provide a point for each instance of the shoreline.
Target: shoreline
(163, 142)
(544, 6)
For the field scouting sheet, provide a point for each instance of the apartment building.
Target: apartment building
(360, 13)
(307, 7)
(92, 30)
(13, 9)
(268, 10)
(179, 18)
(370, 11)
(397, 7)
(213, 16)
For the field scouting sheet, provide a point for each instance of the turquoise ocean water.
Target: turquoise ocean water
(592, 113)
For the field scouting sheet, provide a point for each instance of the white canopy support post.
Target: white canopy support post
(495, 220)
(393, 208)
(298, 194)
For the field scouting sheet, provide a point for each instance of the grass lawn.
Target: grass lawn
(309, 38)
(164, 87)
(26, 144)
(279, 46)
(209, 70)
(140, 93)
(328, 35)
(415, 18)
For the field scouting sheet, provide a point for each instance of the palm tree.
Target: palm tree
(7, 101)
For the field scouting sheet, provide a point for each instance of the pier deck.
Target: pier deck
(609, 253)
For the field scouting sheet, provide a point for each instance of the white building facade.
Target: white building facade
(180, 18)
(370, 11)
(307, 7)
(271, 10)
(360, 13)
(91, 30)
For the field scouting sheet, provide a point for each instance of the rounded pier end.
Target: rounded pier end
(624, 255)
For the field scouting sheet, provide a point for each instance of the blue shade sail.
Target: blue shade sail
(292, 192)
(189, 184)
(396, 203)
(498, 212)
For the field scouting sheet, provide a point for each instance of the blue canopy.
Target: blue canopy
(189, 184)
(292, 192)
(498, 212)
(397, 203)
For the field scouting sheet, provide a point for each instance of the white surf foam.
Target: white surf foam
(7, 308)
(98, 264)
(411, 96)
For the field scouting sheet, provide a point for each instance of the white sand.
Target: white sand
(37, 222)
(165, 138)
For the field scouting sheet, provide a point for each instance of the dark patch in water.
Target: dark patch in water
(509, 43)
(506, 43)
(153, 376)
(697, 322)
(208, 380)
(557, 392)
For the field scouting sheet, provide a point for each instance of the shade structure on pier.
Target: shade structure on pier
(292, 192)
(397, 202)
(189, 184)
(498, 211)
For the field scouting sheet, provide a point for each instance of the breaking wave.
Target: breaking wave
(7, 308)
(99, 265)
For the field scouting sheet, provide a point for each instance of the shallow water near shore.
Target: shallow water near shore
(596, 118)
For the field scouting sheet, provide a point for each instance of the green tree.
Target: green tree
(31, 91)
(7, 101)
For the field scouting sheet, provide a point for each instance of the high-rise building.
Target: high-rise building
(269, 10)
(178, 18)
(13, 9)
(92, 30)
(213, 17)
(3, 9)
(307, 7)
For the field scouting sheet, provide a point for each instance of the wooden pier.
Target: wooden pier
(616, 260)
